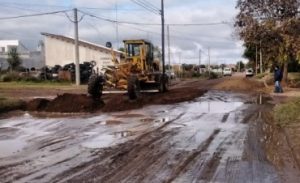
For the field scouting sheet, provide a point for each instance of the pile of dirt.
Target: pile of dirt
(186, 91)
(176, 95)
(65, 103)
(38, 104)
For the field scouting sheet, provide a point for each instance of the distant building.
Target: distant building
(59, 50)
(29, 58)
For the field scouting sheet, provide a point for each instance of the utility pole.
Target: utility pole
(169, 50)
(77, 68)
(261, 61)
(163, 41)
(208, 61)
(200, 52)
(117, 26)
(256, 59)
(180, 65)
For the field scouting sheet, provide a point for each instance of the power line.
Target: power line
(147, 6)
(200, 24)
(33, 15)
(153, 24)
(61, 6)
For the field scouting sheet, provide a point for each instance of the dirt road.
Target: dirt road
(213, 138)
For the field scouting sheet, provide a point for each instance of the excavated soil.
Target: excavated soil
(185, 90)
(65, 103)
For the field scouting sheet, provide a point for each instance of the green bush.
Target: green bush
(30, 79)
(15, 76)
(196, 75)
(10, 76)
(211, 75)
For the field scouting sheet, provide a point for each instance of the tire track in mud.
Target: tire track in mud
(225, 117)
(138, 163)
(107, 160)
(211, 165)
(182, 166)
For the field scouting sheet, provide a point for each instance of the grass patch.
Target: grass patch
(7, 104)
(288, 113)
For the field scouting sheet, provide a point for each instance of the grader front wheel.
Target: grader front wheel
(133, 87)
(95, 86)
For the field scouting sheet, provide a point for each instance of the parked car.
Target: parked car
(171, 74)
(249, 72)
(227, 71)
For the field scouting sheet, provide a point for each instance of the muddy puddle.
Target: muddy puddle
(204, 140)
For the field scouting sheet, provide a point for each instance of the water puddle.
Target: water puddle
(123, 134)
(11, 147)
(102, 141)
(107, 140)
(162, 120)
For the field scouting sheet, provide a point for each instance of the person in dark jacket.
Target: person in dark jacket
(277, 79)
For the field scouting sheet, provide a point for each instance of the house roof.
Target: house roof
(80, 42)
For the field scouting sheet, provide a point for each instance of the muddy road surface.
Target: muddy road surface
(209, 139)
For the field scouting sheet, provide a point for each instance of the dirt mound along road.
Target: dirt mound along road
(70, 103)
(184, 91)
(66, 103)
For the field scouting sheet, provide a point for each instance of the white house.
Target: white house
(29, 58)
(59, 50)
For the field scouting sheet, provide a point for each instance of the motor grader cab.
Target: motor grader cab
(136, 72)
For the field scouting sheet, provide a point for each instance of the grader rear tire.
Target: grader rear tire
(133, 88)
(95, 86)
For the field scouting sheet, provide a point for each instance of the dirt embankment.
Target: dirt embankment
(65, 103)
(182, 91)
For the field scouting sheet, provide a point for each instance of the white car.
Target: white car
(249, 72)
(227, 71)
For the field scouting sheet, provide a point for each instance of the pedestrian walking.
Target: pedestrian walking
(277, 79)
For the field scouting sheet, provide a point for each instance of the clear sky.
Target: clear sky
(184, 40)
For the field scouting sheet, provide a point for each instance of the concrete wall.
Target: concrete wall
(60, 52)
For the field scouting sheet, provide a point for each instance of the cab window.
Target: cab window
(133, 50)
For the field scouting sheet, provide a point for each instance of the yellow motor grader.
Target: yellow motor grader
(136, 72)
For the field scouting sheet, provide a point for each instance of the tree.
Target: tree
(13, 59)
(240, 66)
(187, 67)
(121, 49)
(271, 26)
